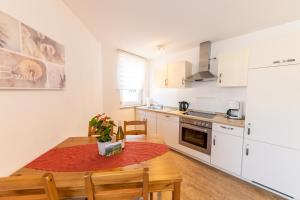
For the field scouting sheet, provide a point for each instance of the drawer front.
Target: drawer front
(232, 130)
(168, 117)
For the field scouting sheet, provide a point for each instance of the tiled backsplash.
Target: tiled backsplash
(204, 96)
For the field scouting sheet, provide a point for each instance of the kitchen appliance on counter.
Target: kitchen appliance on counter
(183, 106)
(234, 110)
(196, 134)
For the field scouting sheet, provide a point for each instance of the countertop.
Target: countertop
(219, 118)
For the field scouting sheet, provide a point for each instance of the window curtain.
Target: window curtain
(131, 71)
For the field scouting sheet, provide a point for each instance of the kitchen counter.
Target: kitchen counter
(219, 118)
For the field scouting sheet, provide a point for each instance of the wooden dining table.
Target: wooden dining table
(163, 173)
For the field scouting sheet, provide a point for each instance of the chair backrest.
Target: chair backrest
(117, 185)
(28, 188)
(135, 123)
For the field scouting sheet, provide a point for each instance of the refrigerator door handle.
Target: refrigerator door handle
(247, 150)
(249, 129)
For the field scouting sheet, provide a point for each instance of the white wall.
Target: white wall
(207, 96)
(32, 121)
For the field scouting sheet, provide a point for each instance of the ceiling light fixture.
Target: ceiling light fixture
(160, 50)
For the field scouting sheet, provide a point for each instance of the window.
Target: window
(131, 78)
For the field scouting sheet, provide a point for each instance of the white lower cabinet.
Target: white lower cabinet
(141, 115)
(227, 147)
(272, 166)
(226, 152)
(151, 123)
(168, 128)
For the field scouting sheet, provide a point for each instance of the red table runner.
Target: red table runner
(86, 157)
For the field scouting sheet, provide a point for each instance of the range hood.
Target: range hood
(204, 73)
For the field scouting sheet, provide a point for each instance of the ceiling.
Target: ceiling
(139, 25)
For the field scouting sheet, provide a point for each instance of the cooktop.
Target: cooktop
(200, 114)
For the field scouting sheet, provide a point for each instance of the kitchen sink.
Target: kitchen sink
(160, 107)
(155, 107)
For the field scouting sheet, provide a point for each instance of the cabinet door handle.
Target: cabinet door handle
(166, 82)
(214, 141)
(167, 116)
(290, 60)
(247, 150)
(220, 78)
(284, 61)
(249, 129)
(228, 128)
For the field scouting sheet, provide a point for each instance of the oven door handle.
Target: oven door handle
(196, 128)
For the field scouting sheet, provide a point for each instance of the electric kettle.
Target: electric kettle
(183, 106)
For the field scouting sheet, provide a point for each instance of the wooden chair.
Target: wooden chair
(118, 185)
(28, 188)
(135, 123)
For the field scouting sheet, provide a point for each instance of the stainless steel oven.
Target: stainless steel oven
(196, 134)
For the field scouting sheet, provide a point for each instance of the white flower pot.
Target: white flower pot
(101, 147)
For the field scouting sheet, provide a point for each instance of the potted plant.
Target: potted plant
(102, 126)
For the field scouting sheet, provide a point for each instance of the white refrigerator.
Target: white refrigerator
(271, 155)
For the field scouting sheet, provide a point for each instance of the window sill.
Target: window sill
(130, 106)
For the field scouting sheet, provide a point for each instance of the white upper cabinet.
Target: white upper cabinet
(161, 76)
(177, 73)
(232, 68)
(275, 51)
(172, 75)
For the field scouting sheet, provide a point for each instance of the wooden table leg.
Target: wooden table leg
(176, 192)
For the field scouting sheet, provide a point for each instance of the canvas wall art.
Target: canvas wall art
(17, 71)
(9, 33)
(28, 58)
(56, 76)
(40, 46)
